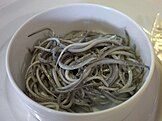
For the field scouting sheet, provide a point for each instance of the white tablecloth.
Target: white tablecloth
(137, 11)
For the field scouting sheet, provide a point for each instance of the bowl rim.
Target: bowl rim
(37, 105)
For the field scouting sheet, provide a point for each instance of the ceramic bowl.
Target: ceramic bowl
(62, 20)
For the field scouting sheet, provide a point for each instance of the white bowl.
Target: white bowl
(64, 19)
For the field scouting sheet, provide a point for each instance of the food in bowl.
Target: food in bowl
(83, 71)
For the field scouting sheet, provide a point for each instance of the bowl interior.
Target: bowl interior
(65, 19)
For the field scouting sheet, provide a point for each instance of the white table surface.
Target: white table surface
(137, 8)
